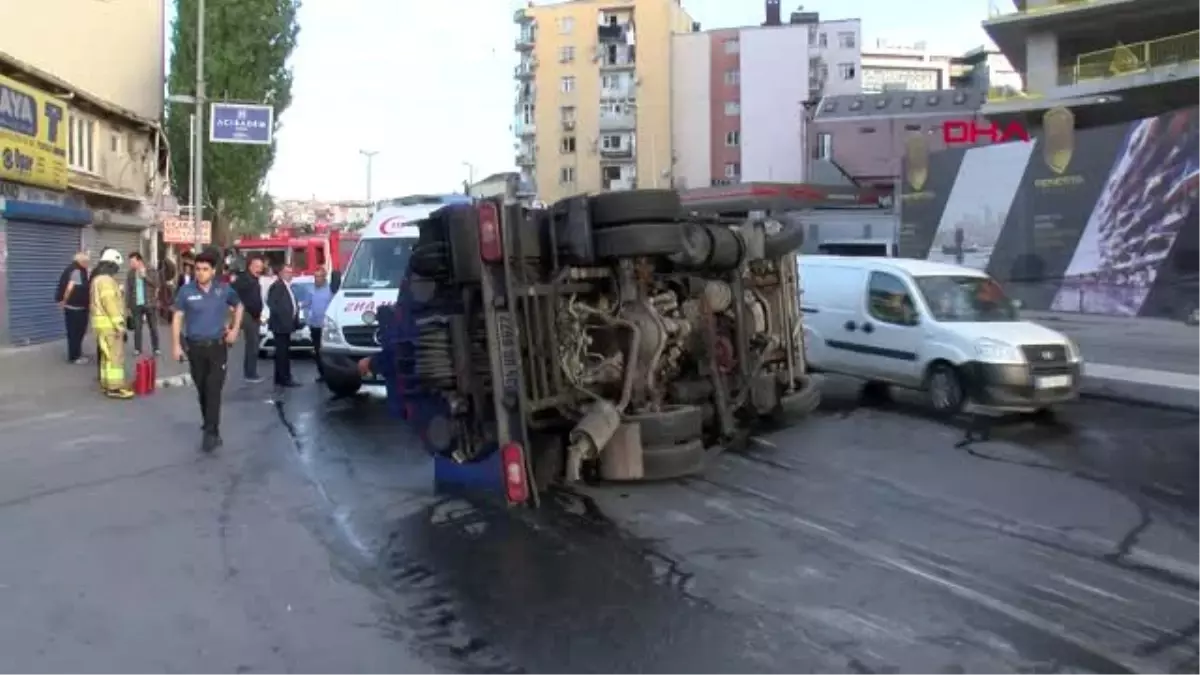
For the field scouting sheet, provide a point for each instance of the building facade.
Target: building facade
(738, 95)
(83, 147)
(888, 66)
(987, 69)
(1111, 61)
(593, 94)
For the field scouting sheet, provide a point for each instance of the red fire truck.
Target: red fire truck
(304, 252)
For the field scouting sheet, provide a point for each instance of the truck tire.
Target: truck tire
(673, 461)
(669, 426)
(630, 241)
(610, 209)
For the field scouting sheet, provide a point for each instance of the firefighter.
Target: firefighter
(108, 322)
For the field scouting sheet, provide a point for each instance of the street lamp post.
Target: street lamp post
(370, 155)
(198, 140)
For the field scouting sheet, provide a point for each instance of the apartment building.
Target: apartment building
(738, 95)
(888, 66)
(593, 94)
(82, 125)
(1109, 60)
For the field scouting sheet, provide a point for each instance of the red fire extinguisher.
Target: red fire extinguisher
(152, 382)
(139, 378)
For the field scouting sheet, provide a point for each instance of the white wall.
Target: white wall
(774, 86)
(691, 109)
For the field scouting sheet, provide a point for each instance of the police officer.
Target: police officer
(202, 309)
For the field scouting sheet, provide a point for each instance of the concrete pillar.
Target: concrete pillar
(1041, 63)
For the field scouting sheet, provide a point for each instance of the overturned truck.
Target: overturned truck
(611, 337)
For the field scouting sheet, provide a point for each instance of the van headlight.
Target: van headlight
(331, 333)
(994, 351)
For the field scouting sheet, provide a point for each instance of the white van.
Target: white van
(372, 280)
(944, 329)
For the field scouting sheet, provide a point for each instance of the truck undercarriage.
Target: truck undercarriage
(611, 336)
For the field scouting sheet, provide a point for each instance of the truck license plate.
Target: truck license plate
(1053, 382)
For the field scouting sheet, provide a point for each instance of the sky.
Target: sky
(429, 86)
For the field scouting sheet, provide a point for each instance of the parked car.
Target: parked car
(947, 330)
(302, 288)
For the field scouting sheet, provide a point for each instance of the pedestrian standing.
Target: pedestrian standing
(108, 321)
(283, 320)
(73, 297)
(202, 313)
(322, 295)
(249, 291)
(140, 289)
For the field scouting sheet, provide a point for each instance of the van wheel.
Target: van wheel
(609, 209)
(944, 386)
(647, 239)
(671, 425)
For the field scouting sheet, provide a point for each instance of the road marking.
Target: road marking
(1158, 378)
(1090, 589)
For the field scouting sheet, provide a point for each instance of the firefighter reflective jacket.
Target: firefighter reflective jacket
(108, 304)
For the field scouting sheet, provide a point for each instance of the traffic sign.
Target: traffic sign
(244, 123)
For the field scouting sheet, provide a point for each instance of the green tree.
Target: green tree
(247, 45)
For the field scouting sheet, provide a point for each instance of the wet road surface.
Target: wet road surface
(869, 539)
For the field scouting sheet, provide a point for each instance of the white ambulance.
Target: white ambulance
(372, 280)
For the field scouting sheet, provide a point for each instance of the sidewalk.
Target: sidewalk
(41, 375)
(1152, 361)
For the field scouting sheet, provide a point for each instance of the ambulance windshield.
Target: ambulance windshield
(377, 264)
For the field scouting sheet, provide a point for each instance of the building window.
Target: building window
(527, 113)
(733, 139)
(733, 108)
(566, 24)
(567, 114)
(733, 170)
(567, 84)
(566, 54)
(847, 40)
(732, 46)
(823, 40)
(733, 76)
(611, 142)
(566, 175)
(82, 144)
(824, 147)
(846, 71)
(567, 146)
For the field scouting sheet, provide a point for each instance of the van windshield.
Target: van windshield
(965, 298)
(377, 264)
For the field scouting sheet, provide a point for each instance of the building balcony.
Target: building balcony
(525, 71)
(618, 33)
(617, 154)
(525, 158)
(522, 16)
(616, 57)
(1082, 20)
(525, 41)
(620, 185)
(526, 92)
(523, 129)
(617, 122)
(627, 92)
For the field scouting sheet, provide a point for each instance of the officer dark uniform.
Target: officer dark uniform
(202, 313)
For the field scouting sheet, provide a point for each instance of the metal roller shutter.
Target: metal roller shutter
(37, 254)
(123, 240)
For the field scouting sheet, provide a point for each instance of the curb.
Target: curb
(1138, 394)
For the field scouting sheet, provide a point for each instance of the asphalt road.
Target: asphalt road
(869, 539)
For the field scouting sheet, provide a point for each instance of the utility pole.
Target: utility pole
(370, 155)
(198, 137)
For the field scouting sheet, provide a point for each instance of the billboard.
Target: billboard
(242, 123)
(33, 136)
(1100, 220)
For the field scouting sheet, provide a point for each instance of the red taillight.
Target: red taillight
(515, 487)
(490, 248)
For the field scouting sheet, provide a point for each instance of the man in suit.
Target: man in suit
(284, 320)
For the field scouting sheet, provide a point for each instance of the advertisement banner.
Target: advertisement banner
(242, 123)
(1100, 220)
(33, 136)
(180, 231)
